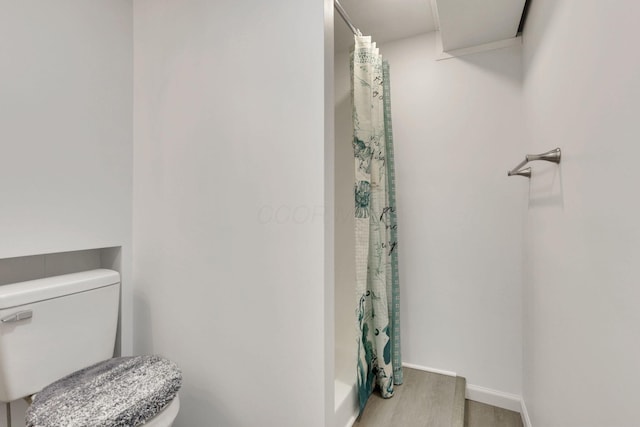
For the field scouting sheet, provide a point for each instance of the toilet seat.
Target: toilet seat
(125, 391)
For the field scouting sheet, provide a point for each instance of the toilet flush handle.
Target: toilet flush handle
(16, 317)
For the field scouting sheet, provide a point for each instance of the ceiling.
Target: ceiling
(462, 23)
(385, 20)
(466, 23)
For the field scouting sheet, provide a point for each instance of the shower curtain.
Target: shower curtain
(377, 287)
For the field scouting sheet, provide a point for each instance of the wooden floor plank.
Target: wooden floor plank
(478, 415)
(481, 415)
(424, 400)
(427, 400)
(457, 418)
(508, 418)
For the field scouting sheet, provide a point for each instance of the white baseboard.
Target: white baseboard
(525, 415)
(347, 407)
(427, 369)
(503, 400)
(500, 399)
(352, 421)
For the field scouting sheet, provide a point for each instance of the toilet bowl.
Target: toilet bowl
(57, 337)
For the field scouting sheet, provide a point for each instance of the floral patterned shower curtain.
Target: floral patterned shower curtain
(378, 312)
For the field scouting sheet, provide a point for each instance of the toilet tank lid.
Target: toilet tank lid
(17, 294)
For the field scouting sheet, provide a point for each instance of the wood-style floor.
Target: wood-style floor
(432, 400)
(480, 415)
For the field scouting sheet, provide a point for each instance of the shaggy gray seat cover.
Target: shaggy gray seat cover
(119, 392)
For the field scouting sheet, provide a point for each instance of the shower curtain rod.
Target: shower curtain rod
(346, 18)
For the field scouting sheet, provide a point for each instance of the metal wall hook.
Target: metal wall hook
(550, 156)
(526, 172)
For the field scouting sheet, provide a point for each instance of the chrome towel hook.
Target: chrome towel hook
(550, 156)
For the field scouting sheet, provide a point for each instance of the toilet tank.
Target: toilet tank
(54, 326)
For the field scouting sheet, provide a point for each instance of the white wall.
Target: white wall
(228, 214)
(345, 297)
(457, 129)
(582, 320)
(65, 125)
(66, 91)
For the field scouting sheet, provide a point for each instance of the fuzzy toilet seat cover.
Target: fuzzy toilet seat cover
(118, 392)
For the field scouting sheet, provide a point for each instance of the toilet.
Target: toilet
(57, 337)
